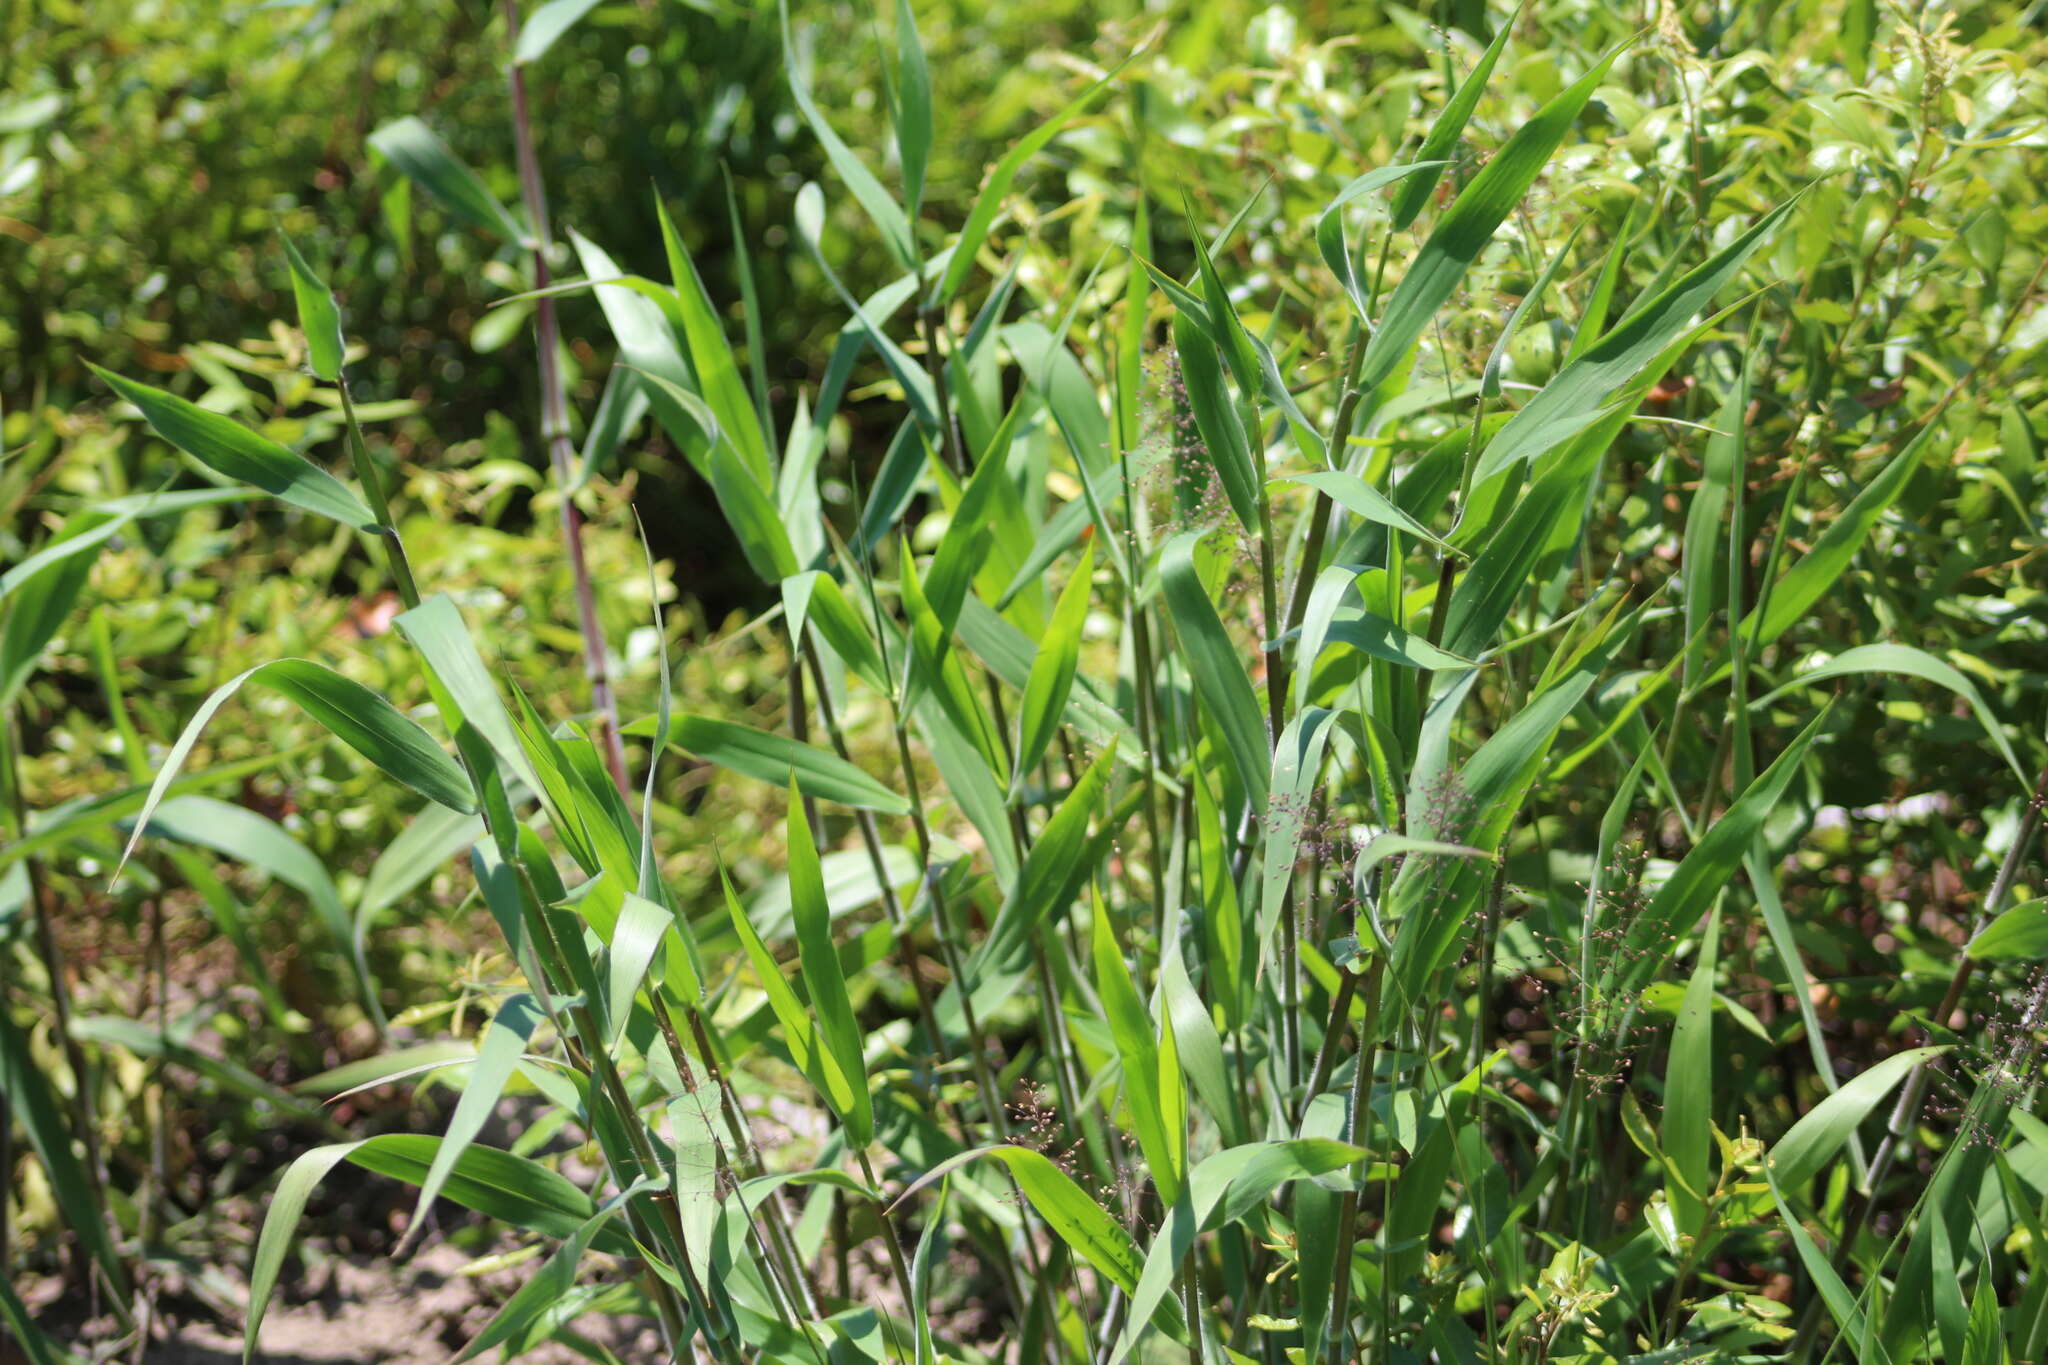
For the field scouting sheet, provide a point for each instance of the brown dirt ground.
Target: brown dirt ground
(366, 1312)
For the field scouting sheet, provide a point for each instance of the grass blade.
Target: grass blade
(319, 318)
(1219, 677)
(504, 1043)
(774, 758)
(989, 201)
(1449, 127)
(1052, 668)
(351, 712)
(423, 158)
(838, 1032)
(882, 209)
(1582, 391)
(913, 106)
(227, 447)
(1469, 224)
(545, 25)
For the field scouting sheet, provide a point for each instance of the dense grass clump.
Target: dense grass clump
(1394, 717)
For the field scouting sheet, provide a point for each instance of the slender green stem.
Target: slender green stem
(1358, 1131)
(934, 367)
(889, 1239)
(84, 1112)
(373, 491)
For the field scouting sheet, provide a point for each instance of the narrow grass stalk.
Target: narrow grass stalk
(84, 1111)
(373, 493)
(554, 422)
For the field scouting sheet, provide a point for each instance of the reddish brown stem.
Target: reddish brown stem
(554, 422)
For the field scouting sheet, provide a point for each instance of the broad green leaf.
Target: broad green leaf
(1581, 393)
(511, 1189)
(1720, 470)
(1367, 503)
(1807, 581)
(1212, 659)
(435, 837)
(809, 215)
(2018, 935)
(351, 712)
(227, 447)
(1822, 1131)
(462, 686)
(620, 409)
(913, 106)
(1382, 639)
(751, 513)
(1840, 1299)
(637, 938)
(503, 1045)
(1198, 1043)
(1434, 903)
(1469, 224)
(1011, 653)
(971, 530)
(1914, 663)
(554, 1279)
(711, 358)
(642, 323)
(1230, 1184)
(1047, 882)
(45, 587)
(774, 758)
(1052, 668)
(1224, 327)
(1070, 395)
(1984, 1338)
(1498, 576)
(850, 885)
(280, 1222)
(698, 1170)
(1443, 134)
(798, 1034)
(386, 1067)
(423, 158)
(1705, 870)
(1223, 435)
(1297, 765)
(1686, 1128)
(1336, 252)
(844, 629)
(933, 668)
(972, 784)
(1130, 1026)
(547, 23)
(1222, 1189)
(838, 1032)
(319, 318)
